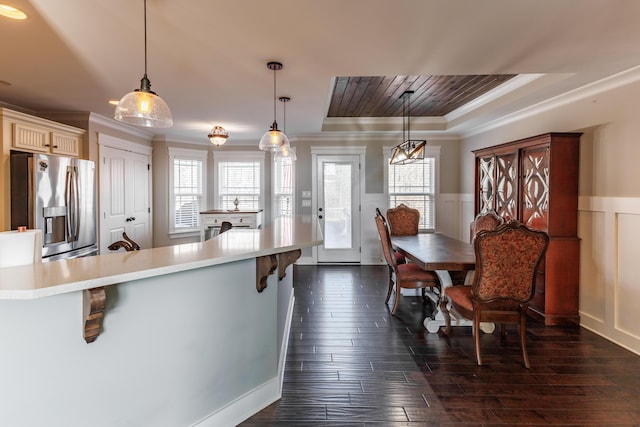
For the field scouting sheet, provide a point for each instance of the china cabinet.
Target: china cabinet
(535, 180)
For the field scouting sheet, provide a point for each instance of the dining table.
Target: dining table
(441, 254)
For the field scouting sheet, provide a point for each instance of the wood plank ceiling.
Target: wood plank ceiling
(377, 96)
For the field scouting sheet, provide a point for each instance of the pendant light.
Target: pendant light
(143, 107)
(218, 136)
(409, 150)
(285, 153)
(274, 139)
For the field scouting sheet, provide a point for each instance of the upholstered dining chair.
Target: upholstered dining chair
(488, 220)
(403, 220)
(507, 261)
(406, 275)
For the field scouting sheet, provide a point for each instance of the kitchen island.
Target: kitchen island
(186, 335)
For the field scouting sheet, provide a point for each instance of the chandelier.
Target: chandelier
(218, 136)
(409, 150)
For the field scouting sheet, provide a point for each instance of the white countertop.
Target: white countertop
(58, 277)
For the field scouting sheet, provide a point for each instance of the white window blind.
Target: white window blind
(241, 180)
(414, 184)
(187, 198)
(283, 183)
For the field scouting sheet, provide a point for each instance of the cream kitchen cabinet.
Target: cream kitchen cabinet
(24, 132)
(33, 134)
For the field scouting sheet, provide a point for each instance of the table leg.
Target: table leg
(433, 324)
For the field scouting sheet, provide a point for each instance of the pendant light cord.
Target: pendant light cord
(275, 124)
(145, 38)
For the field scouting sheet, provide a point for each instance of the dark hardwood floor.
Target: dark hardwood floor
(350, 363)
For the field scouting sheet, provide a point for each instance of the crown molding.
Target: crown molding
(381, 124)
(626, 77)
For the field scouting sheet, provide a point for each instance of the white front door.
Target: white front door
(338, 207)
(124, 197)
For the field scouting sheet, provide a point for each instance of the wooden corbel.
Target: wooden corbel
(285, 259)
(265, 266)
(94, 301)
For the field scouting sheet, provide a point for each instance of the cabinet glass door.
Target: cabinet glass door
(486, 182)
(535, 187)
(507, 185)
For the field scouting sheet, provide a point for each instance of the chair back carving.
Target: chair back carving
(385, 238)
(489, 220)
(403, 220)
(506, 262)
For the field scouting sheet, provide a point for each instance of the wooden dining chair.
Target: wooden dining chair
(507, 261)
(488, 220)
(403, 220)
(406, 275)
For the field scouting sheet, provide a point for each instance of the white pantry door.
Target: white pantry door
(125, 202)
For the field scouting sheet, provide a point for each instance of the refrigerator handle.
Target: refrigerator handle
(67, 202)
(76, 205)
(71, 200)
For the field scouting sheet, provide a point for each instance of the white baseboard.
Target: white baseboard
(306, 260)
(243, 407)
(285, 341)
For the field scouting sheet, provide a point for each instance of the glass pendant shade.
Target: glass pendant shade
(142, 107)
(285, 154)
(273, 140)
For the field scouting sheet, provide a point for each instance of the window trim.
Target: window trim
(186, 154)
(432, 151)
(239, 156)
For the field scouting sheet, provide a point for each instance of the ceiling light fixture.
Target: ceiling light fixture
(218, 136)
(274, 138)
(409, 150)
(143, 107)
(11, 12)
(285, 153)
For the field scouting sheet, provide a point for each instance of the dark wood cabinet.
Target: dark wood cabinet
(535, 180)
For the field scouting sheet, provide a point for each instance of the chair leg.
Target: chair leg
(476, 336)
(445, 313)
(390, 285)
(424, 294)
(523, 337)
(397, 299)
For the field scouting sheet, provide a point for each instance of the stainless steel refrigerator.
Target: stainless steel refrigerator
(58, 196)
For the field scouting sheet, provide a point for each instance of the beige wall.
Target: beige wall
(609, 205)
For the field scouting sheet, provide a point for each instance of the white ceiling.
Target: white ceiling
(207, 58)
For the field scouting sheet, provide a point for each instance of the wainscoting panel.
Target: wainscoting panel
(609, 270)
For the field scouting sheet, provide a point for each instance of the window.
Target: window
(239, 176)
(415, 184)
(283, 185)
(187, 189)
